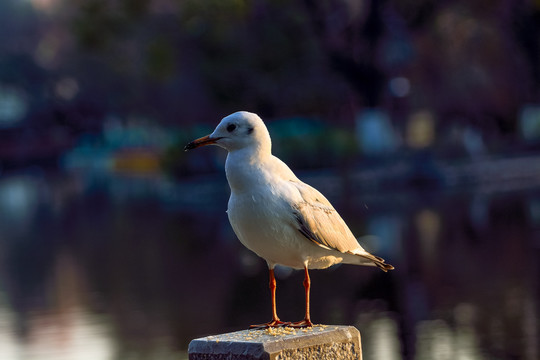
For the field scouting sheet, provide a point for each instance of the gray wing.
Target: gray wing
(319, 222)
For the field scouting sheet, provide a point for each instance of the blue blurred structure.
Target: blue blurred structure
(375, 133)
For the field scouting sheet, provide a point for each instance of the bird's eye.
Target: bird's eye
(231, 127)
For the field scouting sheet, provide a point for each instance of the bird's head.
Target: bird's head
(237, 131)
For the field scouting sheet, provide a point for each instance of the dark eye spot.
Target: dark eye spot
(249, 130)
(231, 127)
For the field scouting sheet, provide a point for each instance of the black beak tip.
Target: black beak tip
(189, 146)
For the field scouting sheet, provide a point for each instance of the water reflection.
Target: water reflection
(124, 267)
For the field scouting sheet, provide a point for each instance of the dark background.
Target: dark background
(419, 120)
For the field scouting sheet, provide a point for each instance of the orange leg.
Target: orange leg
(275, 322)
(307, 319)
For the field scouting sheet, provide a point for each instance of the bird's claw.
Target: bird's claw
(301, 324)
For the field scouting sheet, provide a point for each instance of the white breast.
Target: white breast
(256, 221)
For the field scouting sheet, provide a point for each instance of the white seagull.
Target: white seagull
(277, 216)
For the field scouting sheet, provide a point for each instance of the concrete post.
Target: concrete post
(319, 342)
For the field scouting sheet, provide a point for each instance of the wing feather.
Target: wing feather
(319, 222)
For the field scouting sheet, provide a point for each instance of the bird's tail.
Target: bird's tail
(377, 261)
(372, 259)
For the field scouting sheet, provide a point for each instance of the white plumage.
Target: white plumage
(273, 213)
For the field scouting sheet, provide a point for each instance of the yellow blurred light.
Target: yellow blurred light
(420, 132)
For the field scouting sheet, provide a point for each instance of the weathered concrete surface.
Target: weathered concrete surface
(319, 342)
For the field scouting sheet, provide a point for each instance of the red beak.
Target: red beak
(205, 140)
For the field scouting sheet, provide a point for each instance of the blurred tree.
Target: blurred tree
(469, 70)
(524, 19)
(256, 54)
(350, 33)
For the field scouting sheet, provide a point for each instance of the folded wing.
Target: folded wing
(318, 221)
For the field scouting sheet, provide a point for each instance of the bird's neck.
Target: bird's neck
(245, 168)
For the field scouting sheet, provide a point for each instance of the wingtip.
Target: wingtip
(379, 262)
(385, 267)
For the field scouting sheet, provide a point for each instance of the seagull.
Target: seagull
(274, 214)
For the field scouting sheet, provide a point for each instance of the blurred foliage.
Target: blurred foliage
(161, 61)
(225, 52)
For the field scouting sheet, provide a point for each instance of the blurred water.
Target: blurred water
(120, 267)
